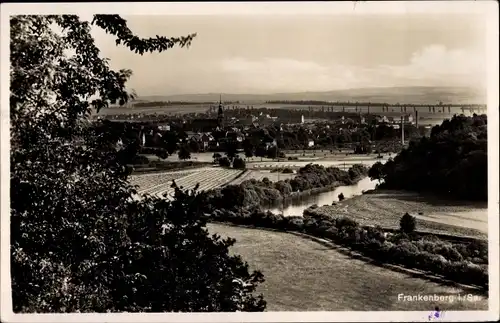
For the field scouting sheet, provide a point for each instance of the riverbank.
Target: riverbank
(385, 208)
(288, 199)
(310, 179)
(297, 206)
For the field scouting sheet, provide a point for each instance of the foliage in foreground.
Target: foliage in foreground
(80, 241)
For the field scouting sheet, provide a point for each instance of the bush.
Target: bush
(216, 157)
(140, 160)
(224, 162)
(428, 254)
(344, 222)
(341, 197)
(407, 223)
(239, 163)
(293, 223)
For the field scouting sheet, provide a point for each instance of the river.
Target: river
(297, 206)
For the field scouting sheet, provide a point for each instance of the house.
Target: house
(310, 143)
(190, 134)
(205, 140)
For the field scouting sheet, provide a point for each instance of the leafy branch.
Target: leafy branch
(117, 26)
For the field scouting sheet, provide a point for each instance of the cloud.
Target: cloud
(437, 65)
(433, 65)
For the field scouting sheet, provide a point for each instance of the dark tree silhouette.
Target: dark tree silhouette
(224, 162)
(272, 152)
(184, 152)
(407, 223)
(376, 171)
(453, 161)
(231, 149)
(239, 163)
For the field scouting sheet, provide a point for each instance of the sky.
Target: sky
(297, 53)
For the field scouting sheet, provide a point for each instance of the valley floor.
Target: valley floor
(303, 275)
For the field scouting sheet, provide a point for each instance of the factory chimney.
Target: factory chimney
(402, 130)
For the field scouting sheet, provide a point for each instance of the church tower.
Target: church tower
(220, 114)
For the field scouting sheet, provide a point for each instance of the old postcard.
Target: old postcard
(250, 162)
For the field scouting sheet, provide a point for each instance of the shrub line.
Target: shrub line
(414, 272)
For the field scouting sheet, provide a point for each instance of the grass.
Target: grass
(303, 275)
(385, 208)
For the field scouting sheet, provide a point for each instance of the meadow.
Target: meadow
(304, 275)
(149, 183)
(385, 208)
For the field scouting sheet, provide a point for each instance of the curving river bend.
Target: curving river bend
(297, 206)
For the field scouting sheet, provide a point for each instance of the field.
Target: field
(208, 178)
(293, 164)
(259, 175)
(303, 275)
(189, 108)
(324, 158)
(151, 183)
(386, 208)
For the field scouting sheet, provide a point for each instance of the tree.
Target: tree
(261, 151)
(239, 163)
(452, 162)
(79, 239)
(184, 152)
(272, 152)
(162, 153)
(194, 146)
(407, 223)
(231, 149)
(376, 171)
(170, 140)
(224, 162)
(248, 153)
(248, 147)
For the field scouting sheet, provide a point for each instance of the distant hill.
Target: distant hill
(416, 95)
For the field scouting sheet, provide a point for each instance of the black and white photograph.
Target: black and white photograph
(249, 161)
